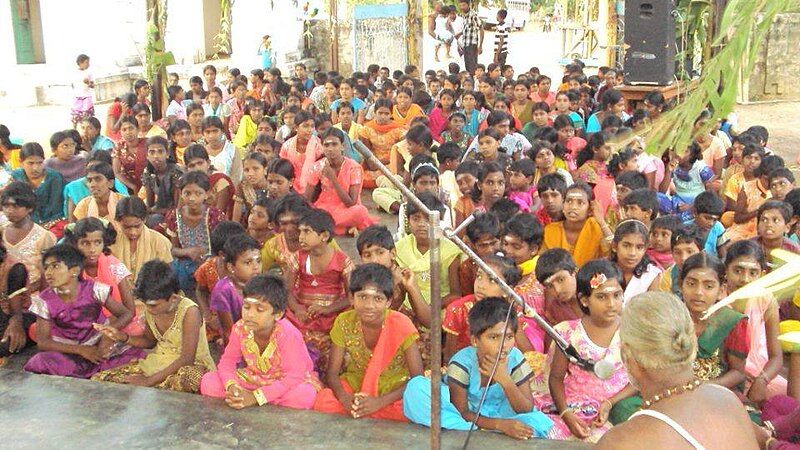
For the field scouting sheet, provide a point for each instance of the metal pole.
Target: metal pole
(435, 333)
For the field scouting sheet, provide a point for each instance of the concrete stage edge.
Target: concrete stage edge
(41, 411)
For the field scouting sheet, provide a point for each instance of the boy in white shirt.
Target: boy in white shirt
(82, 86)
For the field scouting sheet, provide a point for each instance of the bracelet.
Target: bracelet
(607, 401)
(259, 396)
(770, 440)
(566, 410)
(127, 338)
(230, 383)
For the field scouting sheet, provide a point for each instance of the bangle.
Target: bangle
(127, 338)
(229, 383)
(770, 440)
(259, 396)
(566, 410)
(607, 401)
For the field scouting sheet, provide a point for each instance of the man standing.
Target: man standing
(471, 37)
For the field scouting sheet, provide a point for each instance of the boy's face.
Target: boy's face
(419, 224)
(258, 314)
(287, 224)
(635, 212)
(376, 254)
(660, 239)
(622, 192)
(161, 306)
(540, 118)
(561, 286)
(682, 251)
(456, 123)
(300, 72)
(780, 186)
(772, 225)
(246, 266)
(157, 156)
(173, 80)
(484, 287)
(520, 93)
(517, 249)
(488, 343)
(751, 162)
(309, 238)
(370, 304)
(553, 203)
(705, 221)
(486, 244)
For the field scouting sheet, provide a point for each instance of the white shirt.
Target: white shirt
(80, 88)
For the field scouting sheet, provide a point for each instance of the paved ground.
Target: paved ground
(50, 411)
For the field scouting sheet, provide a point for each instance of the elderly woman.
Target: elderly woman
(658, 348)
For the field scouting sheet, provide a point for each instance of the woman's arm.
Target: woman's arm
(740, 212)
(558, 371)
(758, 389)
(735, 374)
(190, 334)
(126, 294)
(237, 211)
(122, 315)
(120, 175)
(224, 198)
(226, 321)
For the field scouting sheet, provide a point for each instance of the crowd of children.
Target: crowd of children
(219, 224)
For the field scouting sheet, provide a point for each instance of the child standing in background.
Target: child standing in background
(82, 87)
(501, 38)
(265, 52)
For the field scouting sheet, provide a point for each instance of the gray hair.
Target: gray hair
(657, 331)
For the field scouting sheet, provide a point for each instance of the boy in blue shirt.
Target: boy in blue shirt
(707, 209)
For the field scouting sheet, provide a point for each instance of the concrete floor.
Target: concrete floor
(54, 411)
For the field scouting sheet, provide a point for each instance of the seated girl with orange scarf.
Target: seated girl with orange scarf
(377, 347)
(379, 135)
(583, 232)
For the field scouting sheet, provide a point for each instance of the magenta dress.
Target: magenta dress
(283, 371)
(71, 323)
(225, 298)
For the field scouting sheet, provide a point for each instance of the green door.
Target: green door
(23, 34)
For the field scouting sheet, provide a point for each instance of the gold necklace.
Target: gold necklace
(673, 391)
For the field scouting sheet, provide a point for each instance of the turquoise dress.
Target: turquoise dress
(49, 196)
(463, 370)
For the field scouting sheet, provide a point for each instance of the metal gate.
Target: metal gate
(379, 36)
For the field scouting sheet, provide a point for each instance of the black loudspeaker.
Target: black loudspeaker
(650, 42)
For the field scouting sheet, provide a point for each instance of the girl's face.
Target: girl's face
(500, 105)
(419, 225)
(426, 183)
(562, 103)
(305, 129)
(33, 167)
(240, 92)
(183, 137)
(288, 119)
(485, 287)
(132, 227)
(456, 123)
(408, 84)
(737, 149)
(333, 149)
(330, 90)
(468, 102)
(488, 147)
(128, 132)
(503, 128)
(539, 118)
(14, 212)
(258, 218)
(544, 85)
(508, 92)
(602, 153)
(346, 116)
(88, 132)
(742, 271)
(630, 251)
(701, 289)
(198, 165)
(292, 101)
(544, 159)
(469, 85)
(99, 185)
(780, 187)
(246, 266)
(277, 185)
(346, 91)
(157, 156)
(264, 129)
(466, 182)
(771, 225)
(370, 305)
(518, 181)
(213, 136)
(213, 98)
(448, 85)
(254, 172)
(310, 238)
(751, 162)
(57, 274)
(403, 100)
(383, 116)
(143, 119)
(605, 302)
(660, 240)
(521, 93)
(195, 118)
(265, 150)
(287, 224)
(576, 206)
(629, 165)
(566, 133)
(446, 101)
(258, 315)
(552, 202)
(193, 196)
(65, 149)
(91, 245)
(493, 186)
(618, 107)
